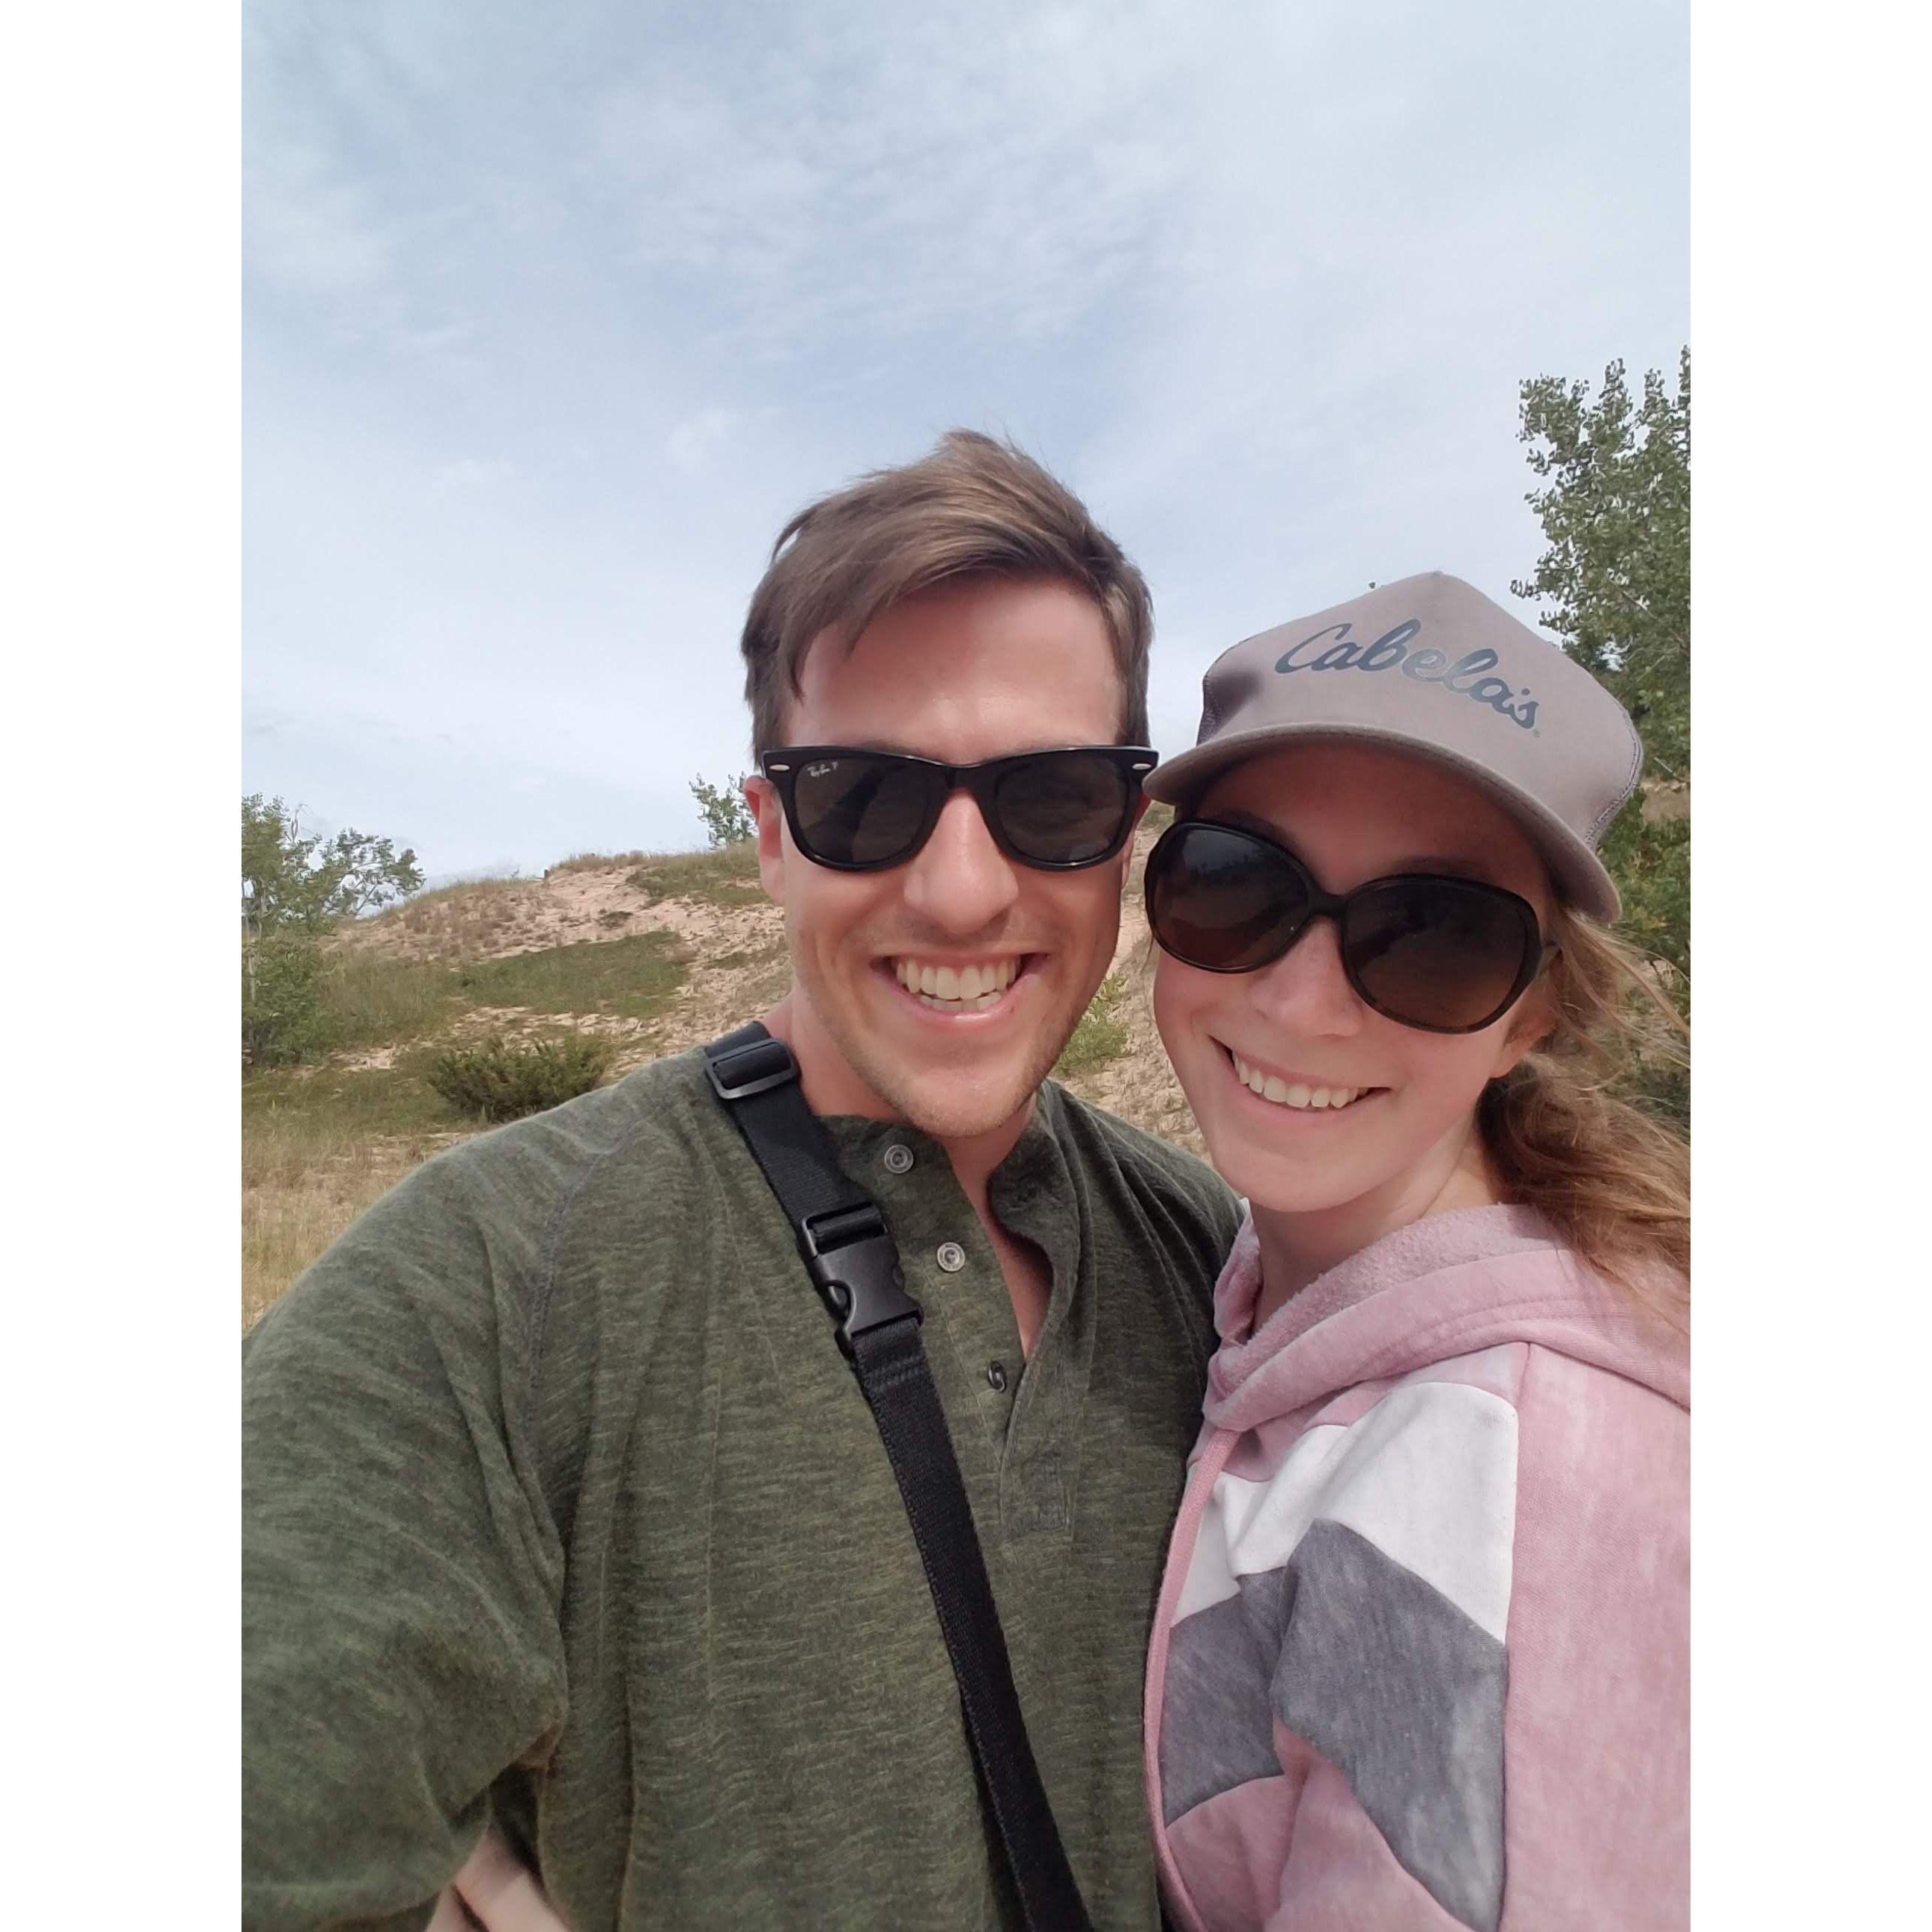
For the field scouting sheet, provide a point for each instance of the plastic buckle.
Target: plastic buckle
(851, 1255)
(756, 1067)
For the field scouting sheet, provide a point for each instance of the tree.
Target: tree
(294, 885)
(304, 881)
(728, 818)
(1617, 518)
(1616, 577)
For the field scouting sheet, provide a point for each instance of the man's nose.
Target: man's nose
(960, 880)
(1306, 991)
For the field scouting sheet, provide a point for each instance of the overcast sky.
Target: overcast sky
(554, 315)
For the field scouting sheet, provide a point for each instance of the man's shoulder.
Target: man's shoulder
(500, 1208)
(1152, 1166)
(652, 1113)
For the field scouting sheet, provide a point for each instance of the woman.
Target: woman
(1420, 1657)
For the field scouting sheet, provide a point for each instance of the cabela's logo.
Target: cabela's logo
(1467, 677)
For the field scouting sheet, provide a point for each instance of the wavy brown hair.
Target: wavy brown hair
(973, 507)
(1614, 1181)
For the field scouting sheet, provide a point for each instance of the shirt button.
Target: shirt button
(996, 1377)
(952, 1257)
(897, 1158)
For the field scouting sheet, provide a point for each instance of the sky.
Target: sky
(553, 317)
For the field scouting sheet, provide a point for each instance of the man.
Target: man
(565, 1514)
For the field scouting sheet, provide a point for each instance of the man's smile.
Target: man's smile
(959, 988)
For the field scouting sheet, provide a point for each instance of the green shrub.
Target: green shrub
(283, 1021)
(503, 1080)
(1099, 1037)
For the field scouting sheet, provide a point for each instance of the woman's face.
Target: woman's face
(1350, 813)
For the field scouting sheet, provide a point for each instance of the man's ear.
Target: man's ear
(761, 799)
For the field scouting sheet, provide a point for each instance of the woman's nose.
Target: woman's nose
(1305, 988)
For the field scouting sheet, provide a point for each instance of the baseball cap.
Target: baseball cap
(1431, 666)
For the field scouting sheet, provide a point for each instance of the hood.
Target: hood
(1447, 1285)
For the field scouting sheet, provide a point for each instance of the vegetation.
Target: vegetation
(631, 978)
(725, 875)
(295, 886)
(503, 1080)
(317, 1148)
(1614, 582)
(1100, 1036)
(282, 1020)
(728, 818)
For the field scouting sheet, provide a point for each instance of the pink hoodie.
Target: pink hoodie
(1421, 1659)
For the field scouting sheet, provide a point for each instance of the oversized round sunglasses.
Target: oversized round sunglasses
(1444, 954)
(861, 811)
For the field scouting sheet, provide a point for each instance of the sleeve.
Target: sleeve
(1597, 1736)
(401, 1644)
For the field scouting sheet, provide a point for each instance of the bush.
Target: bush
(503, 1080)
(282, 1020)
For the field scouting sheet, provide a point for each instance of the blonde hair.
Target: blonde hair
(1614, 1181)
(973, 507)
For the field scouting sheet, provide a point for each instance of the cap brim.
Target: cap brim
(1578, 872)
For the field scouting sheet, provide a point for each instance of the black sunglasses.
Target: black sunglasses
(860, 810)
(1444, 954)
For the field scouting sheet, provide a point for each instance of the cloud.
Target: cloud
(555, 315)
(470, 473)
(691, 442)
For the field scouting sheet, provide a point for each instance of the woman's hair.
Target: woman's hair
(1614, 1182)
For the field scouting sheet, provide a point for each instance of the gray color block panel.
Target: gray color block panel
(1217, 1726)
(1403, 1694)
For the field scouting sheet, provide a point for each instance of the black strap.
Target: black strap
(849, 1253)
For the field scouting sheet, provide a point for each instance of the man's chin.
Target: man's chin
(950, 1109)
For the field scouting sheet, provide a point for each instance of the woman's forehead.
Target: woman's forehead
(1367, 809)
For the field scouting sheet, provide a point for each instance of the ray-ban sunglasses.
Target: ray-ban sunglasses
(1443, 954)
(861, 811)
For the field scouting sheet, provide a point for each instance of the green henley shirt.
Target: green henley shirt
(563, 1509)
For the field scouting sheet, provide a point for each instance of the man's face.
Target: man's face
(962, 675)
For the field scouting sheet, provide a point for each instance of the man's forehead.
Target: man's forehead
(1019, 665)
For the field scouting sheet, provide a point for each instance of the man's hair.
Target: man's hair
(975, 508)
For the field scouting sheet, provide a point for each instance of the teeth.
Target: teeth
(1272, 1087)
(958, 989)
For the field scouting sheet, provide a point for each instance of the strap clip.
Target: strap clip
(851, 1256)
(756, 1067)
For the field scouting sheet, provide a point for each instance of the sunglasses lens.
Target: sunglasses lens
(858, 810)
(1217, 898)
(1064, 808)
(1433, 953)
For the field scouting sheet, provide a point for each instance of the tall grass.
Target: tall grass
(374, 999)
(317, 1149)
(1100, 1036)
(634, 976)
(725, 875)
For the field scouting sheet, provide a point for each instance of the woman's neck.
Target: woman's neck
(1295, 1248)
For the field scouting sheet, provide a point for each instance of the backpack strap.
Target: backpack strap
(849, 1253)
